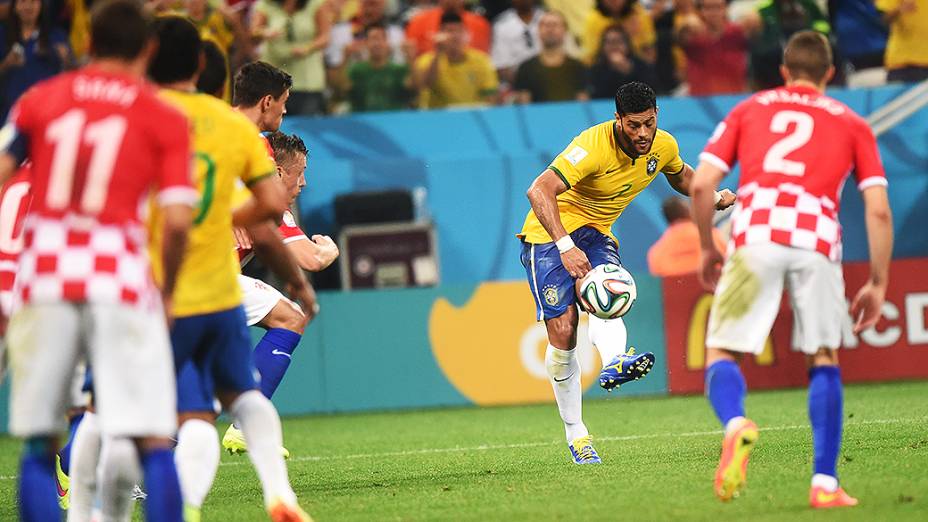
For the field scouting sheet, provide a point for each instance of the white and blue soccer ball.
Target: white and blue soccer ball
(608, 291)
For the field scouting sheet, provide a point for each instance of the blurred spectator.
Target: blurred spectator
(379, 84)
(515, 37)
(295, 34)
(712, 43)
(616, 65)
(677, 251)
(31, 48)
(670, 61)
(454, 74)
(575, 11)
(860, 32)
(493, 8)
(628, 14)
(347, 41)
(413, 8)
(211, 22)
(423, 27)
(778, 20)
(907, 49)
(552, 75)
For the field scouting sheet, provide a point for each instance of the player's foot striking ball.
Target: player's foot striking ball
(625, 368)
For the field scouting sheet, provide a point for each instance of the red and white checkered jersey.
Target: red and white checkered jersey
(100, 143)
(796, 148)
(289, 232)
(14, 202)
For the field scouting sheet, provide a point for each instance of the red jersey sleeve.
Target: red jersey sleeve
(14, 135)
(289, 230)
(172, 135)
(868, 169)
(722, 148)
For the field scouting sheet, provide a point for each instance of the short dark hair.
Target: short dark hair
(255, 80)
(286, 146)
(178, 55)
(215, 71)
(374, 25)
(808, 55)
(675, 208)
(119, 29)
(450, 17)
(634, 97)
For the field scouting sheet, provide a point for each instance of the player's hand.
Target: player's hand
(242, 239)
(728, 199)
(327, 248)
(576, 263)
(304, 294)
(710, 268)
(867, 306)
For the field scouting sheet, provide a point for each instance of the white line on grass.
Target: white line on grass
(490, 447)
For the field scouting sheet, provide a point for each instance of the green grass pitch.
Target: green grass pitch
(512, 464)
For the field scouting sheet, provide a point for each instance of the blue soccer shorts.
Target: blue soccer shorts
(552, 287)
(211, 352)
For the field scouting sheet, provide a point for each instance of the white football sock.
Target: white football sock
(829, 483)
(260, 424)
(119, 472)
(85, 452)
(564, 371)
(609, 336)
(197, 459)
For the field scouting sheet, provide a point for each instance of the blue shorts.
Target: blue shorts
(211, 351)
(552, 287)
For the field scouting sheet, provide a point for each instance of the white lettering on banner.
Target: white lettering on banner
(887, 337)
(915, 305)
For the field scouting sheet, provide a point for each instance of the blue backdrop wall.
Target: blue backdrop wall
(477, 164)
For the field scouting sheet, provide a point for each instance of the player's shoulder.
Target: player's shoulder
(664, 139)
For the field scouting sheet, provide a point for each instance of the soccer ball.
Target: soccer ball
(608, 291)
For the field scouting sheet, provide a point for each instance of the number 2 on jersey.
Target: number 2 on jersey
(66, 133)
(775, 160)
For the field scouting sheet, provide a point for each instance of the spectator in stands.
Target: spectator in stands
(493, 8)
(616, 65)
(628, 14)
(295, 35)
(907, 49)
(552, 75)
(515, 37)
(31, 50)
(670, 63)
(379, 83)
(423, 27)
(677, 251)
(575, 11)
(454, 74)
(860, 32)
(778, 20)
(712, 44)
(348, 38)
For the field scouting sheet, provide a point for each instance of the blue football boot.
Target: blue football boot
(625, 368)
(581, 449)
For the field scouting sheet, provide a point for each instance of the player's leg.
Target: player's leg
(552, 289)
(284, 323)
(42, 361)
(85, 454)
(609, 336)
(134, 390)
(817, 293)
(79, 401)
(118, 471)
(746, 303)
(254, 413)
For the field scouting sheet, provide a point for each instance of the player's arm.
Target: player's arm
(703, 200)
(272, 250)
(13, 146)
(682, 183)
(314, 255)
(178, 218)
(868, 303)
(542, 194)
(268, 202)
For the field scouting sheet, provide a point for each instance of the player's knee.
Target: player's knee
(562, 333)
(285, 316)
(824, 357)
(714, 355)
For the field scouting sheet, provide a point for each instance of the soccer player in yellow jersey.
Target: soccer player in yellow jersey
(210, 329)
(575, 202)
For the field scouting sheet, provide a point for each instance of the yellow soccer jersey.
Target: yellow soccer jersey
(227, 148)
(603, 180)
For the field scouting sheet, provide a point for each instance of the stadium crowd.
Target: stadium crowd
(368, 55)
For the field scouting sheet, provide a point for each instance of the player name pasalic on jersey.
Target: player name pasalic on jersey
(784, 96)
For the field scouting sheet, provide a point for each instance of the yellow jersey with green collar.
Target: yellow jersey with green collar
(228, 149)
(602, 180)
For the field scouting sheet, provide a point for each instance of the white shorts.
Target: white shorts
(133, 368)
(748, 296)
(259, 298)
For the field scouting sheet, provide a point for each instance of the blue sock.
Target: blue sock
(164, 498)
(37, 502)
(272, 357)
(65, 452)
(826, 406)
(726, 389)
